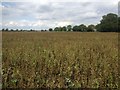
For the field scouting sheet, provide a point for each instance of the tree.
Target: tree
(91, 28)
(109, 23)
(76, 28)
(42, 30)
(31, 30)
(12, 30)
(50, 29)
(56, 29)
(3, 29)
(7, 29)
(17, 30)
(64, 28)
(83, 28)
(69, 28)
(21, 30)
(118, 24)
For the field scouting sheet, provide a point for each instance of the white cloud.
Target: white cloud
(11, 23)
(1, 6)
(64, 23)
(39, 23)
(90, 14)
(22, 23)
(44, 1)
(51, 13)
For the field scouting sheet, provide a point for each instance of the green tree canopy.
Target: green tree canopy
(91, 28)
(69, 28)
(76, 28)
(64, 28)
(50, 29)
(109, 23)
(83, 28)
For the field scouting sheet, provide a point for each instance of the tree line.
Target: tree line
(108, 23)
(76, 28)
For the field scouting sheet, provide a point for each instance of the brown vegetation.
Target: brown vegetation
(63, 60)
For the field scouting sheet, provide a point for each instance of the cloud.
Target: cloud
(22, 23)
(119, 8)
(64, 23)
(46, 1)
(46, 14)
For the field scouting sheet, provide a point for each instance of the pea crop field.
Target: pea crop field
(60, 60)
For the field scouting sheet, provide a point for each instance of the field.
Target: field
(60, 59)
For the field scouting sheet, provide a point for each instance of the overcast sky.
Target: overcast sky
(44, 14)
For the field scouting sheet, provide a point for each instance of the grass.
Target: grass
(60, 59)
